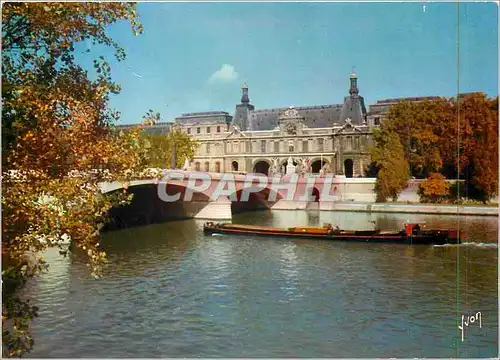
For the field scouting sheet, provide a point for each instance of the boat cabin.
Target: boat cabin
(414, 227)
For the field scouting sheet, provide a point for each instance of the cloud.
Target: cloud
(225, 74)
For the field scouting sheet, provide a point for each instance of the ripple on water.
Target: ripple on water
(170, 291)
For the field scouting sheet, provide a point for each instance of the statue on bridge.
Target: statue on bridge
(303, 166)
(275, 167)
(290, 168)
(325, 170)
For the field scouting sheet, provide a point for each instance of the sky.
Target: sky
(195, 56)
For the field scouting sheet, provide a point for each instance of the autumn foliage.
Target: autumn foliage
(160, 148)
(388, 157)
(457, 138)
(58, 143)
(434, 189)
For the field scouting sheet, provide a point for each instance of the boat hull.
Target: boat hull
(363, 236)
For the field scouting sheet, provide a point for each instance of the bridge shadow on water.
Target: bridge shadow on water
(256, 201)
(148, 208)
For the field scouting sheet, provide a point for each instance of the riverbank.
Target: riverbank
(388, 208)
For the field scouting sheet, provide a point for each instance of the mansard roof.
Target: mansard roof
(354, 109)
(382, 106)
(314, 116)
(207, 117)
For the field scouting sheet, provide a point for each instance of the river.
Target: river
(171, 291)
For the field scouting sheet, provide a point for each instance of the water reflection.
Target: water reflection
(171, 291)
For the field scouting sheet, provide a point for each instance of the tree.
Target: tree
(371, 170)
(450, 136)
(479, 144)
(415, 124)
(58, 143)
(161, 148)
(434, 189)
(388, 155)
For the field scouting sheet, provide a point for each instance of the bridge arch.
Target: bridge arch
(261, 166)
(258, 200)
(317, 164)
(148, 208)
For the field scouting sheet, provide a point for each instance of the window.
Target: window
(320, 144)
(189, 130)
(208, 130)
(376, 121)
(349, 142)
(217, 167)
(305, 145)
(276, 147)
(291, 147)
(218, 128)
(198, 130)
(197, 166)
(263, 146)
(207, 166)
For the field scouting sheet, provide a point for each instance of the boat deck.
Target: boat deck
(330, 233)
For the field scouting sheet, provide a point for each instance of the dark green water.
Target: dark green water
(170, 291)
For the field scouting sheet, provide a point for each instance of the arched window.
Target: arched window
(261, 167)
(348, 168)
(197, 166)
(234, 165)
(207, 166)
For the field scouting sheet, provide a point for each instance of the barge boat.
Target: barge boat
(413, 233)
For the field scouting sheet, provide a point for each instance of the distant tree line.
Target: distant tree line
(160, 148)
(436, 140)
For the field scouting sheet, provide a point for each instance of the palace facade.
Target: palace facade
(316, 139)
(332, 139)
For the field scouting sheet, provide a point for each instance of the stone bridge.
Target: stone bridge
(185, 194)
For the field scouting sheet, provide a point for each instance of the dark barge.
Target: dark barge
(412, 233)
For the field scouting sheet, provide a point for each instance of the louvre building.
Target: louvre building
(321, 139)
